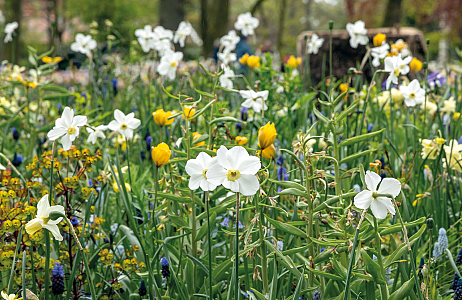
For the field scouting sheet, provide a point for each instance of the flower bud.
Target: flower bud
(430, 223)
(331, 25)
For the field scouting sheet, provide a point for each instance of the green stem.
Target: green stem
(378, 249)
(264, 263)
(47, 265)
(209, 239)
(346, 295)
(128, 161)
(236, 272)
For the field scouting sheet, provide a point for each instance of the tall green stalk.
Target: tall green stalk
(209, 242)
(378, 249)
(236, 272)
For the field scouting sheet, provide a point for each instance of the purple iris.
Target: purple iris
(436, 79)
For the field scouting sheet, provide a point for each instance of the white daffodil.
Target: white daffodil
(67, 127)
(5, 296)
(169, 64)
(314, 44)
(145, 38)
(246, 24)
(83, 44)
(404, 64)
(392, 66)
(124, 124)
(379, 53)
(42, 219)
(227, 56)
(225, 78)
(9, 29)
(379, 205)
(358, 34)
(413, 93)
(236, 170)
(197, 169)
(449, 106)
(255, 100)
(2, 18)
(230, 40)
(162, 39)
(184, 30)
(96, 133)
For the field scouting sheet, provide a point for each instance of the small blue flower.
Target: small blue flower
(74, 221)
(58, 269)
(17, 160)
(114, 85)
(459, 258)
(225, 222)
(357, 188)
(437, 251)
(317, 295)
(282, 174)
(322, 250)
(240, 225)
(148, 142)
(280, 245)
(164, 262)
(280, 160)
(443, 240)
(15, 134)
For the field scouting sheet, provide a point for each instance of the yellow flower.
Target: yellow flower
(241, 140)
(197, 135)
(188, 112)
(440, 141)
(415, 65)
(343, 89)
(253, 61)
(449, 106)
(400, 44)
(456, 116)
(51, 60)
(294, 62)
(9, 297)
(161, 117)
(269, 152)
(379, 39)
(243, 59)
(116, 187)
(161, 154)
(266, 135)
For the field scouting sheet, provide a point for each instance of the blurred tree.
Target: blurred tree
(13, 50)
(171, 13)
(393, 13)
(214, 22)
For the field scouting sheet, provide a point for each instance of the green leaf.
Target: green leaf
(356, 155)
(372, 267)
(179, 221)
(203, 230)
(360, 138)
(288, 184)
(397, 227)
(320, 116)
(403, 291)
(294, 192)
(347, 111)
(133, 241)
(53, 88)
(300, 163)
(226, 119)
(287, 228)
(57, 96)
(396, 255)
(169, 196)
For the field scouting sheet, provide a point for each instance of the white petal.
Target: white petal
(216, 174)
(372, 180)
(236, 156)
(390, 186)
(388, 204)
(54, 230)
(119, 116)
(56, 133)
(114, 125)
(79, 121)
(66, 142)
(250, 165)
(133, 123)
(248, 184)
(195, 181)
(379, 209)
(43, 206)
(222, 157)
(194, 167)
(363, 199)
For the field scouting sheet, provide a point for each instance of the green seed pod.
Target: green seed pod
(331, 25)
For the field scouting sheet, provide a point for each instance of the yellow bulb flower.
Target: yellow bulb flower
(253, 62)
(415, 65)
(379, 39)
(161, 154)
(188, 112)
(241, 140)
(269, 152)
(51, 60)
(197, 135)
(243, 59)
(456, 116)
(266, 135)
(161, 117)
(440, 141)
(343, 89)
(116, 187)
(294, 62)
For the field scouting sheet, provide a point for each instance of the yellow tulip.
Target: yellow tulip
(266, 135)
(269, 152)
(415, 65)
(161, 154)
(240, 140)
(379, 39)
(253, 61)
(161, 117)
(188, 112)
(343, 89)
(50, 60)
(243, 59)
(116, 187)
(294, 62)
(197, 135)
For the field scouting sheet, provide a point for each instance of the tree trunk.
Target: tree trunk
(393, 13)
(308, 14)
(214, 22)
(13, 49)
(171, 13)
(282, 17)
